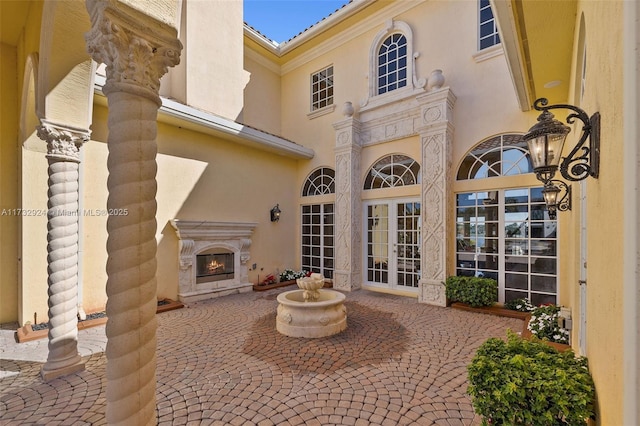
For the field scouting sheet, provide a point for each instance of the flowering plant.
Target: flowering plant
(269, 279)
(520, 305)
(544, 324)
(290, 274)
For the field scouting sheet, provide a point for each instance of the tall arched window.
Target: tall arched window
(505, 233)
(317, 232)
(392, 63)
(391, 171)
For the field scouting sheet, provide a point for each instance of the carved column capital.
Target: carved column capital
(136, 49)
(63, 142)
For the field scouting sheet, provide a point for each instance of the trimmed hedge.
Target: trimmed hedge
(474, 291)
(526, 382)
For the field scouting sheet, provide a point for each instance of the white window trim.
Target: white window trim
(322, 111)
(488, 53)
(413, 82)
(311, 90)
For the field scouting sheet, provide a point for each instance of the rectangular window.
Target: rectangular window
(322, 89)
(507, 235)
(317, 239)
(488, 30)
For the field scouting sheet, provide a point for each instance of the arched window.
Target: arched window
(505, 233)
(502, 155)
(320, 182)
(392, 63)
(391, 171)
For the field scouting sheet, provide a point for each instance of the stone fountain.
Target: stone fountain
(311, 311)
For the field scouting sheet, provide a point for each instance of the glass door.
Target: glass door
(392, 244)
(507, 235)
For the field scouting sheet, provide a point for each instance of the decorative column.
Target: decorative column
(137, 50)
(347, 274)
(436, 137)
(63, 155)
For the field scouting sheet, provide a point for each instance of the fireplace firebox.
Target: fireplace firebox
(214, 267)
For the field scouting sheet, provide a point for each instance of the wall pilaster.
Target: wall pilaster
(63, 147)
(137, 51)
(436, 138)
(347, 274)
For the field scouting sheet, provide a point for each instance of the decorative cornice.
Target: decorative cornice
(63, 142)
(137, 49)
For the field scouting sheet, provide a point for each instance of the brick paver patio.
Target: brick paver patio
(222, 362)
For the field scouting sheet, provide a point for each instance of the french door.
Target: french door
(392, 244)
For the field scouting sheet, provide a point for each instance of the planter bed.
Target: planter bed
(500, 311)
(264, 287)
(493, 310)
(27, 332)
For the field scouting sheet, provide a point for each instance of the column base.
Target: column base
(432, 292)
(48, 375)
(346, 281)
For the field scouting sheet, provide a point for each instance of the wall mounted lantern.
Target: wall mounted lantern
(275, 213)
(552, 198)
(546, 140)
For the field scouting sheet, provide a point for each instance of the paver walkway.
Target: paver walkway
(222, 362)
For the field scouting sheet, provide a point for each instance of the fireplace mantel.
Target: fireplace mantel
(196, 237)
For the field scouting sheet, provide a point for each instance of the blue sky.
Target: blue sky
(280, 20)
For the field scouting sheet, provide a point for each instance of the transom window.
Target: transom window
(391, 171)
(322, 89)
(320, 182)
(503, 155)
(392, 63)
(488, 29)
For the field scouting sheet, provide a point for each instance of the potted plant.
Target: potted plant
(525, 382)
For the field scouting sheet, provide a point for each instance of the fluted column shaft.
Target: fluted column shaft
(137, 51)
(63, 144)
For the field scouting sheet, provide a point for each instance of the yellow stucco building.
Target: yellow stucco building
(388, 135)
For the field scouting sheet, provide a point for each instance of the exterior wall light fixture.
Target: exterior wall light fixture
(554, 200)
(275, 213)
(546, 140)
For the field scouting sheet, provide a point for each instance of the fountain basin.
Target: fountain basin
(323, 317)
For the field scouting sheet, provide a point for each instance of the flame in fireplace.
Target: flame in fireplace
(214, 266)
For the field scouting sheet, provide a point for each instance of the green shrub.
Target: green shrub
(525, 382)
(472, 290)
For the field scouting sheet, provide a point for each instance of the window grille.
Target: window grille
(320, 182)
(502, 155)
(392, 63)
(322, 89)
(391, 171)
(488, 29)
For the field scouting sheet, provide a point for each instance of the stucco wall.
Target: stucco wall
(9, 222)
(262, 101)
(606, 234)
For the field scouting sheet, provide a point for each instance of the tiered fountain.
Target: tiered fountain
(311, 311)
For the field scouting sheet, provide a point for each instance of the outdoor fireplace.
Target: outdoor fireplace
(213, 258)
(214, 267)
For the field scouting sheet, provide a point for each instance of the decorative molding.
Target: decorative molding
(322, 111)
(63, 142)
(137, 50)
(198, 237)
(488, 53)
(395, 8)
